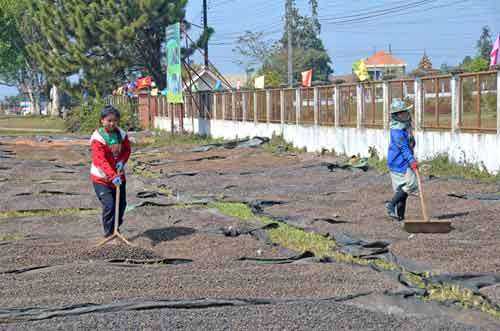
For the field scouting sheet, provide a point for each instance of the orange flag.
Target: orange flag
(307, 78)
(144, 82)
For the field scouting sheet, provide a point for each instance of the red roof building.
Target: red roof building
(383, 64)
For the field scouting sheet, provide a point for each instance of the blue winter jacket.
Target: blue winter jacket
(400, 154)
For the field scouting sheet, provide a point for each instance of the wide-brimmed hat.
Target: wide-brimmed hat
(399, 106)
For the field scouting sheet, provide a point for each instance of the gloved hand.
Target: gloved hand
(414, 166)
(120, 166)
(117, 181)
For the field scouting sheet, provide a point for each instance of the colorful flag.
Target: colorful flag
(144, 82)
(307, 78)
(359, 68)
(238, 85)
(164, 92)
(131, 86)
(494, 52)
(119, 90)
(260, 82)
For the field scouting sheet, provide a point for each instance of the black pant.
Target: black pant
(107, 196)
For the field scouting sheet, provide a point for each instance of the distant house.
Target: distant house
(204, 80)
(383, 65)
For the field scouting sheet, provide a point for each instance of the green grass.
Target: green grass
(142, 171)
(300, 240)
(163, 139)
(48, 212)
(442, 166)
(439, 166)
(11, 237)
(31, 122)
(277, 143)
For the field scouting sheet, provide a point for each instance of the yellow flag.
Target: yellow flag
(259, 82)
(359, 68)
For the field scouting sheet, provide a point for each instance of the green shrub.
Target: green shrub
(87, 116)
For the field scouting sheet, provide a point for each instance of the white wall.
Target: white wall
(476, 148)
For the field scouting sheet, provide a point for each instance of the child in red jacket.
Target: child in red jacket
(110, 152)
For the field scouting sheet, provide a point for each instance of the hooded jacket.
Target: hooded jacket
(400, 155)
(104, 161)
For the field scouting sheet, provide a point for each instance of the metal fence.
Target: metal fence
(467, 102)
(478, 101)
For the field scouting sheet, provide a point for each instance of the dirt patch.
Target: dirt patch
(118, 251)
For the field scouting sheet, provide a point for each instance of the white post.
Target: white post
(223, 106)
(336, 110)
(316, 106)
(298, 105)
(419, 107)
(255, 107)
(498, 104)
(282, 107)
(387, 105)
(244, 105)
(268, 106)
(455, 103)
(233, 105)
(215, 106)
(359, 105)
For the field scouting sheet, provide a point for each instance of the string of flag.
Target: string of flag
(134, 87)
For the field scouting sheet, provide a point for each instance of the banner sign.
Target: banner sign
(174, 78)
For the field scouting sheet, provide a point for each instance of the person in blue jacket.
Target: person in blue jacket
(400, 160)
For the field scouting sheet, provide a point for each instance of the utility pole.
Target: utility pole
(205, 30)
(289, 40)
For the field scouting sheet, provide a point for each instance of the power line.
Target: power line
(401, 12)
(368, 12)
(377, 14)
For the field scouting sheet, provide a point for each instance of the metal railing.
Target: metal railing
(348, 110)
(478, 101)
(436, 100)
(326, 116)
(373, 105)
(467, 102)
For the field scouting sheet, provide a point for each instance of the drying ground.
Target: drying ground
(219, 236)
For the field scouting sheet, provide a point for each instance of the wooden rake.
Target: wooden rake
(426, 225)
(116, 234)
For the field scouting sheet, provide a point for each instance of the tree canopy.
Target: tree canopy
(104, 42)
(481, 61)
(17, 67)
(270, 57)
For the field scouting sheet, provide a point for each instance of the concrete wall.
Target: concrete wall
(479, 148)
(471, 147)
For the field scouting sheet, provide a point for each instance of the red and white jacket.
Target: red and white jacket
(103, 168)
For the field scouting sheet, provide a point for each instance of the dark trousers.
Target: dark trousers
(107, 196)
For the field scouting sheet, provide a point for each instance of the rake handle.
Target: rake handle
(117, 206)
(422, 198)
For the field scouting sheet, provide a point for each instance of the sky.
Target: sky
(446, 30)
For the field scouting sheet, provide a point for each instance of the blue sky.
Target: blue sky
(446, 29)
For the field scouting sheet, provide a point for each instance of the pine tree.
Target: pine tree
(485, 44)
(104, 42)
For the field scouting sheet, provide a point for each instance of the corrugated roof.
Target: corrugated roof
(383, 58)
